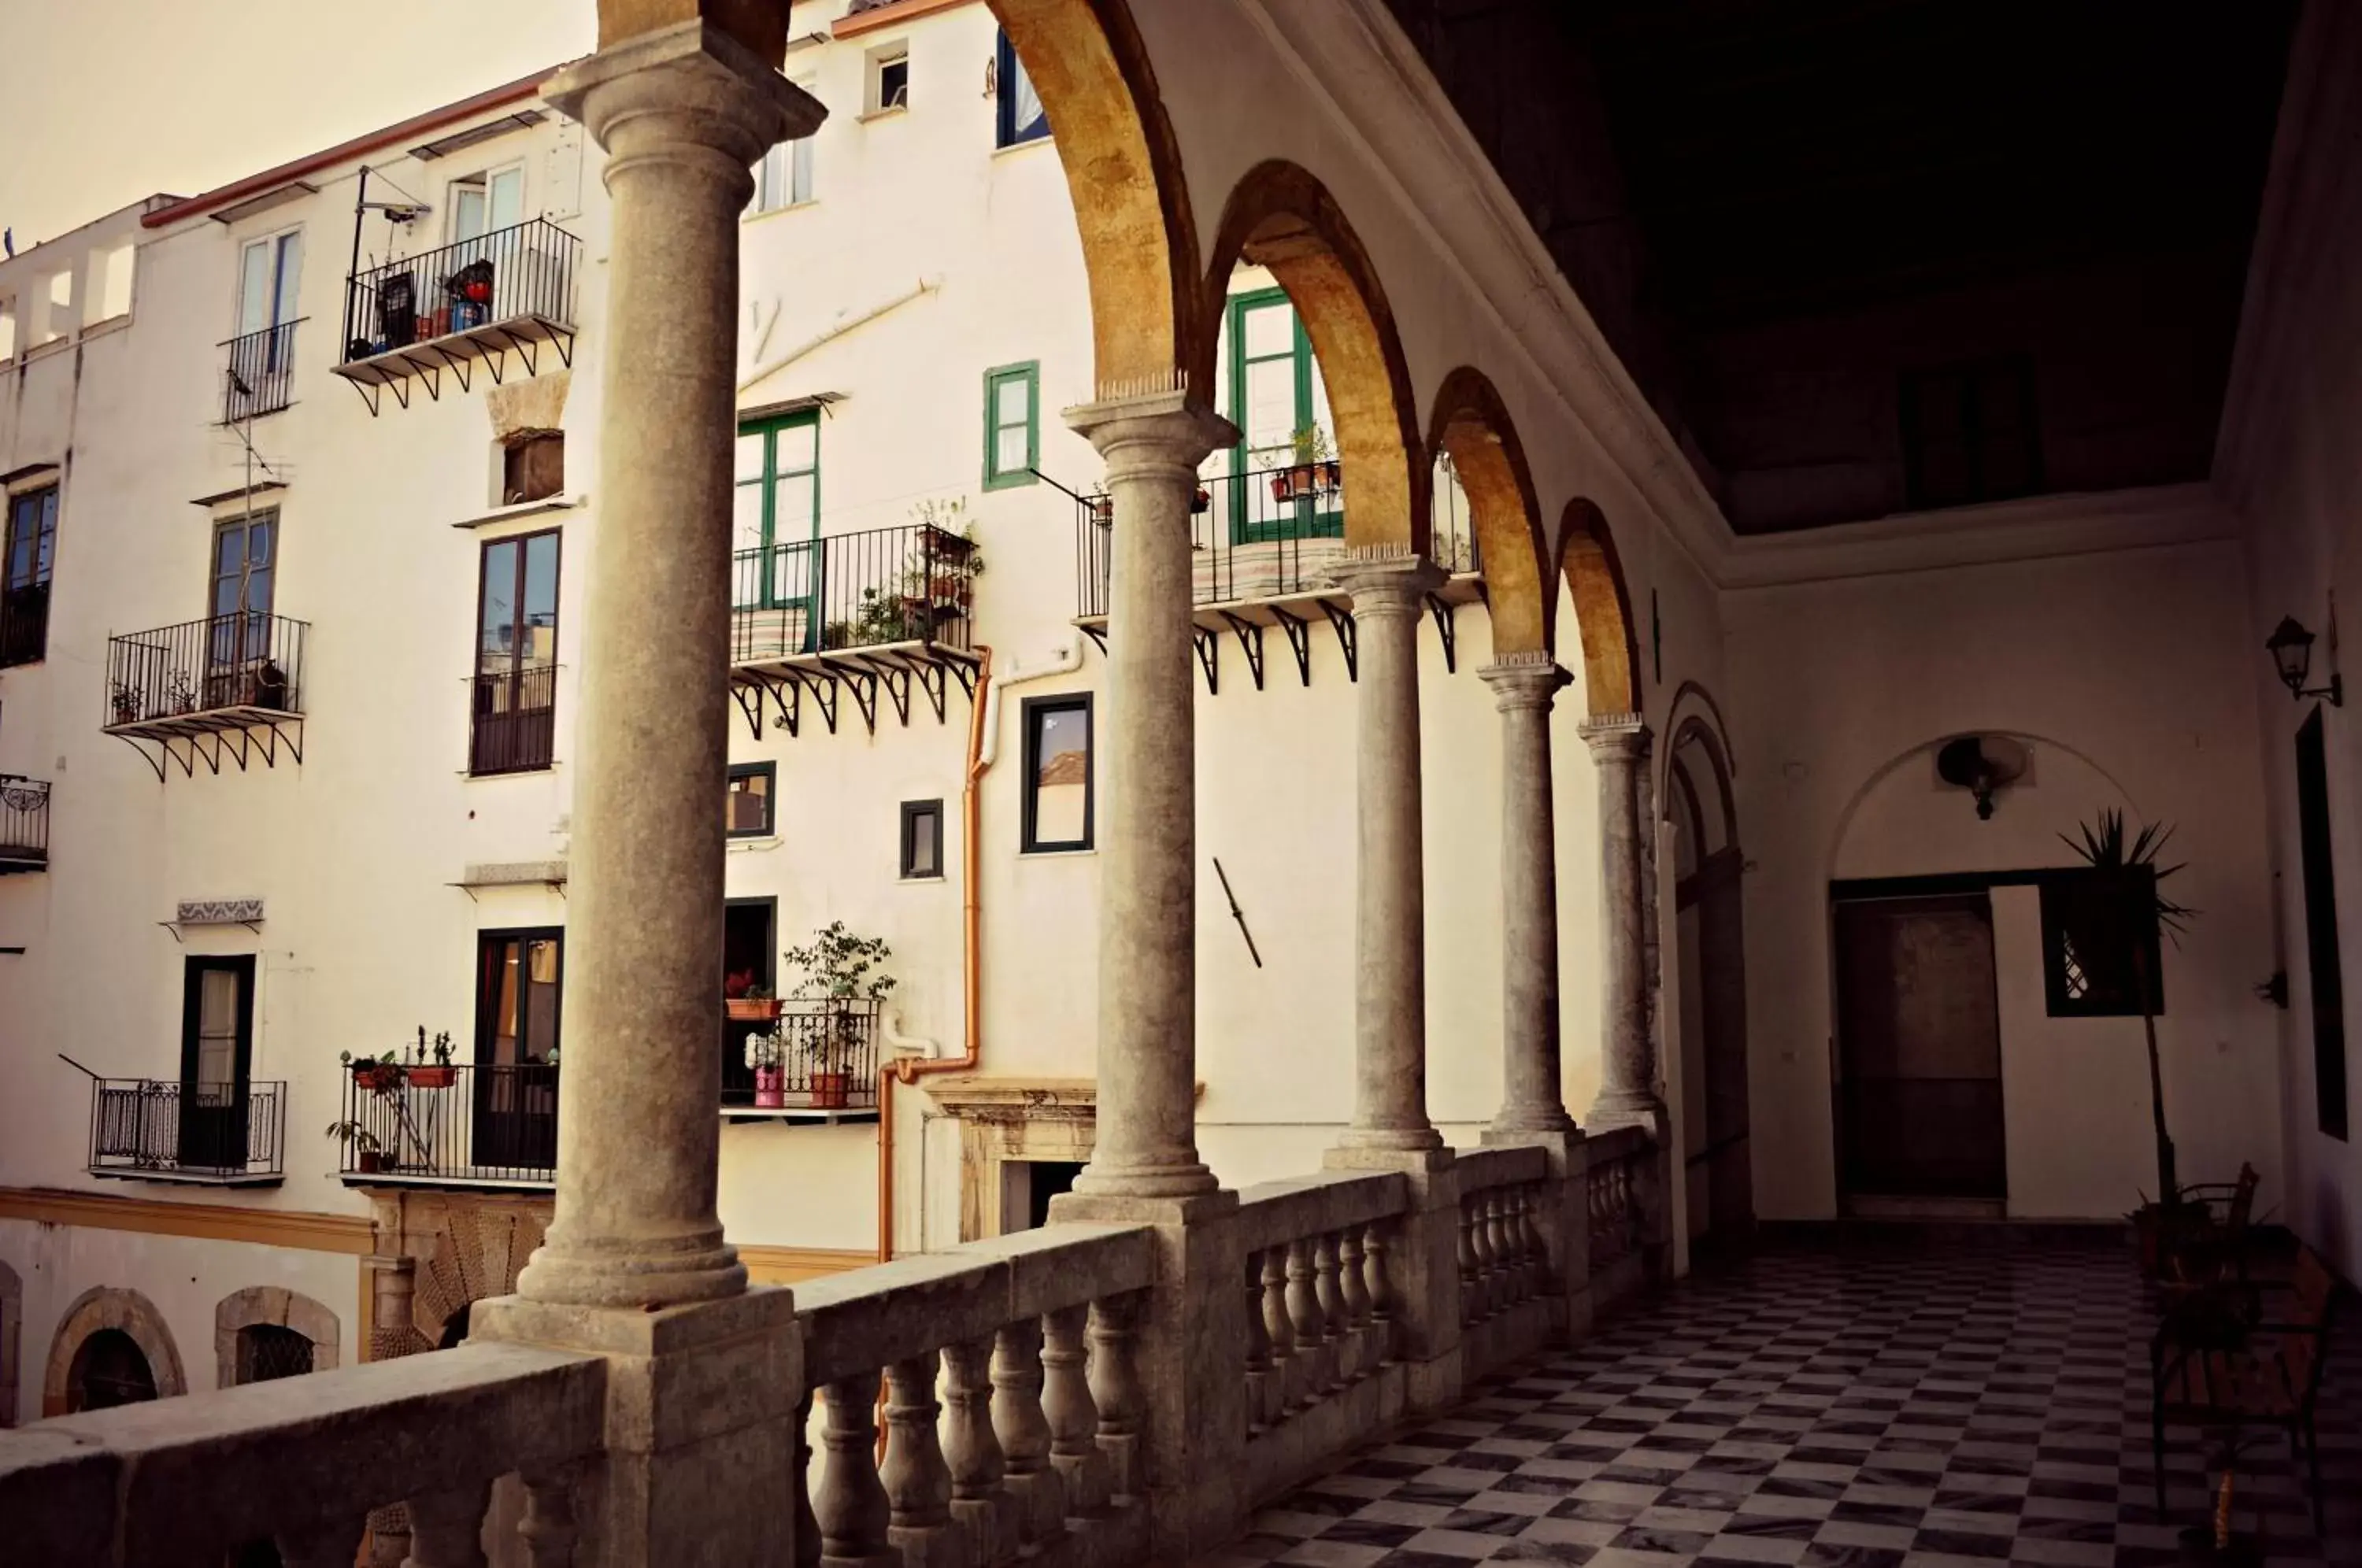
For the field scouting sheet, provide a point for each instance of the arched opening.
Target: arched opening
(267, 1352)
(266, 1332)
(12, 1334)
(1603, 612)
(108, 1370)
(1309, 366)
(1472, 432)
(1710, 958)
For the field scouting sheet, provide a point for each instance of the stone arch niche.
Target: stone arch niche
(12, 1341)
(1709, 967)
(1281, 218)
(460, 1247)
(109, 1309)
(271, 1306)
(1123, 168)
(1603, 612)
(1472, 425)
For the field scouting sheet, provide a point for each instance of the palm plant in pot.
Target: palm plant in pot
(367, 1154)
(841, 972)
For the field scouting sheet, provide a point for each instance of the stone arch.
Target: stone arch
(1696, 732)
(1603, 612)
(1471, 423)
(12, 1341)
(1833, 851)
(477, 1254)
(127, 1311)
(275, 1306)
(1123, 168)
(1281, 217)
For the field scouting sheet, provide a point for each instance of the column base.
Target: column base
(701, 1416)
(704, 1271)
(1409, 1139)
(1530, 1127)
(1148, 1182)
(1628, 1109)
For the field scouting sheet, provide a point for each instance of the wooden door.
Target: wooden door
(1918, 1092)
(1722, 950)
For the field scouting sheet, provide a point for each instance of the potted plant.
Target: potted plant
(1102, 510)
(1202, 503)
(361, 1144)
(126, 699)
(1314, 471)
(750, 1004)
(768, 1056)
(837, 968)
(431, 1068)
(379, 1075)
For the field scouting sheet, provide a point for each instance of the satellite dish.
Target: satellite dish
(1981, 764)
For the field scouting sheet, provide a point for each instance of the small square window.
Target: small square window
(890, 79)
(2099, 942)
(1058, 794)
(533, 466)
(752, 813)
(923, 838)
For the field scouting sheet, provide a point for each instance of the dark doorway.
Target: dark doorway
(217, 1054)
(1918, 1090)
(1026, 1188)
(518, 979)
(2327, 978)
(108, 1370)
(750, 962)
(1717, 1161)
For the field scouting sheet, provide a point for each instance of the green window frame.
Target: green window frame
(999, 473)
(775, 561)
(1255, 514)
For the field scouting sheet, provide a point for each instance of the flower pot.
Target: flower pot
(372, 1161)
(770, 1088)
(379, 1077)
(1202, 503)
(433, 1078)
(829, 1090)
(750, 1009)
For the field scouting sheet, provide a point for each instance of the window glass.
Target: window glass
(467, 211)
(923, 838)
(894, 83)
(1019, 115)
(1058, 760)
(749, 800)
(505, 206)
(1013, 429)
(775, 512)
(216, 1028)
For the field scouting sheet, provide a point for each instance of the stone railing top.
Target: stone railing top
(186, 1479)
(1616, 1144)
(1503, 1165)
(861, 1321)
(1273, 1212)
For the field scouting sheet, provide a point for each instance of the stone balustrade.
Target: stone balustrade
(302, 1461)
(1622, 1166)
(1504, 1273)
(1030, 1342)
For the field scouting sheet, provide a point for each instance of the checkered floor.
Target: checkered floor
(1875, 1409)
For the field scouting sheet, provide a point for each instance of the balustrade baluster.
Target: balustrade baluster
(1488, 1268)
(917, 1478)
(547, 1528)
(324, 1546)
(849, 1503)
(1115, 1388)
(446, 1528)
(1382, 1290)
(1024, 1433)
(1508, 1247)
(807, 1523)
(1304, 1311)
(985, 1509)
(1469, 1299)
(1336, 1323)
(1258, 1369)
(1594, 1202)
(1351, 1264)
(1537, 1250)
(1074, 1416)
(1285, 1391)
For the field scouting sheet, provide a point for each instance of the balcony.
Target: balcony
(193, 1134)
(452, 309)
(888, 609)
(226, 688)
(1262, 545)
(260, 372)
(24, 824)
(511, 720)
(473, 1125)
(828, 1062)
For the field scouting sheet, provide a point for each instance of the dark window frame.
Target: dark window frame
(486, 998)
(1007, 71)
(1030, 711)
(912, 812)
(2070, 898)
(768, 771)
(24, 606)
(2324, 971)
(523, 755)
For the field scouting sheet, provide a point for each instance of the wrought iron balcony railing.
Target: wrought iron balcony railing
(511, 720)
(827, 1056)
(914, 584)
(448, 308)
(260, 372)
(237, 668)
(1267, 534)
(152, 1129)
(24, 823)
(490, 1124)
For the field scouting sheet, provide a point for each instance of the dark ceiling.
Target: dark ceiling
(1793, 218)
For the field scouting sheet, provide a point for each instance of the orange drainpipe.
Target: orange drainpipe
(908, 1070)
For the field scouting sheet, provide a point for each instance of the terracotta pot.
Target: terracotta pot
(433, 1078)
(829, 1090)
(770, 1088)
(372, 1161)
(750, 1009)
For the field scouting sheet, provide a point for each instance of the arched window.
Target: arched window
(108, 1370)
(267, 1351)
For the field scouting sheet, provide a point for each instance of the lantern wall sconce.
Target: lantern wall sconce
(2291, 646)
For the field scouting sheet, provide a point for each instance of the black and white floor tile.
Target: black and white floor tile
(1826, 1410)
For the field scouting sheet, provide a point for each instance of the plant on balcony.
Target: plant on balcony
(767, 1055)
(430, 1064)
(1314, 471)
(743, 1001)
(842, 971)
(367, 1153)
(180, 692)
(125, 698)
(379, 1075)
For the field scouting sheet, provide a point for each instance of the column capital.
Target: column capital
(1616, 736)
(692, 84)
(1386, 578)
(1524, 682)
(1149, 429)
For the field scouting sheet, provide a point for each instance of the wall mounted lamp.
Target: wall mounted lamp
(2291, 646)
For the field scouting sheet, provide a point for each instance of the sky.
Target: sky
(110, 101)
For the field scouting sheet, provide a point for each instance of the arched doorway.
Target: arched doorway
(1710, 963)
(111, 1348)
(108, 1370)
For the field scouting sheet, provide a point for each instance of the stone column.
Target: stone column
(1147, 818)
(1389, 586)
(1627, 1075)
(1533, 1099)
(682, 112)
